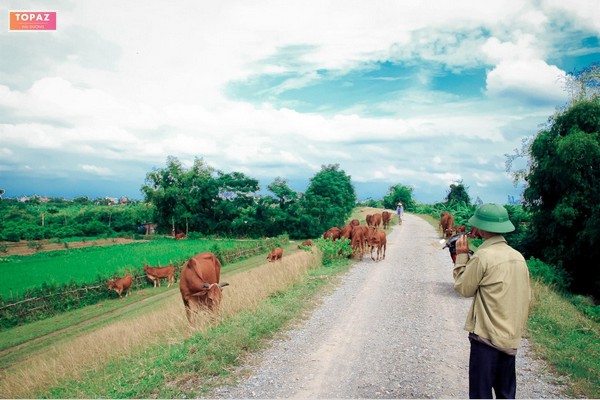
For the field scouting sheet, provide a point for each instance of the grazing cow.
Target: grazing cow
(376, 221)
(275, 254)
(333, 233)
(369, 219)
(358, 241)
(199, 283)
(155, 274)
(306, 243)
(177, 234)
(386, 216)
(446, 224)
(378, 240)
(121, 284)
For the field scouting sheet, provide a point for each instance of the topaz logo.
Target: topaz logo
(32, 20)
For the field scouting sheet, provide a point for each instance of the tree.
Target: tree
(328, 201)
(458, 194)
(563, 194)
(178, 193)
(286, 196)
(399, 194)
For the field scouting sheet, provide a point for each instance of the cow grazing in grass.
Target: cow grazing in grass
(177, 234)
(120, 285)
(199, 283)
(386, 216)
(306, 243)
(333, 233)
(378, 240)
(275, 254)
(155, 274)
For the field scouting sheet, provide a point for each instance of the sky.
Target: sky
(419, 93)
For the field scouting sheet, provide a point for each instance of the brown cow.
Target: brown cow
(121, 284)
(177, 234)
(358, 241)
(306, 243)
(155, 274)
(333, 233)
(446, 224)
(378, 240)
(199, 283)
(369, 219)
(275, 254)
(386, 216)
(347, 232)
(376, 221)
(355, 222)
(460, 229)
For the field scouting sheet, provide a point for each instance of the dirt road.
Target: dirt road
(392, 329)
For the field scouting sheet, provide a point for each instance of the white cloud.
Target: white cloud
(532, 79)
(96, 170)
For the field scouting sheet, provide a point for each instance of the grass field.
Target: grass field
(20, 273)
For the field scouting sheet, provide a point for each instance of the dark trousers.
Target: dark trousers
(489, 369)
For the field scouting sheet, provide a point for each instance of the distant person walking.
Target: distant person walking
(497, 278)
(400, 211)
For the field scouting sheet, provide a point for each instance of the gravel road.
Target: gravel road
(391, 329)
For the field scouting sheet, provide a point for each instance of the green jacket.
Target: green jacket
(498, 279)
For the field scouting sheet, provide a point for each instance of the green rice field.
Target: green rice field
(20, 273)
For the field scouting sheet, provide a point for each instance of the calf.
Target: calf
(378, 241)
(156, 274)
(121, 284)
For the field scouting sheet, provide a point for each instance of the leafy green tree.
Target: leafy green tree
(328, 201)
(286, 196)
(176, 193)
(563, 194)
(399, 194)
(458, 194)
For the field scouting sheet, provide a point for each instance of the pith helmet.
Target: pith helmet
(492, 218)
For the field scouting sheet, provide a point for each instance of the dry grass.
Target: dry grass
(166, 325)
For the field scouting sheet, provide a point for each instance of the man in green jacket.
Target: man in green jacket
(497, 278)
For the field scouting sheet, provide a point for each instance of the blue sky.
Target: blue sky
(423, 94)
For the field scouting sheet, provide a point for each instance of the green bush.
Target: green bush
(548, 274)
(333, 250)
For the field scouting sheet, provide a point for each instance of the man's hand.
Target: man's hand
(462, 245)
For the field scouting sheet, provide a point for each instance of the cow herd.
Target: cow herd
(364, 238)
(200, 284)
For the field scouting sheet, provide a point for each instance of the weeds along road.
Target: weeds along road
(392, 329)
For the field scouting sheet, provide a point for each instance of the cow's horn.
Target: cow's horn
(223, 284)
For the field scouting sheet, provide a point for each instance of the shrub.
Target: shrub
(548, 274)
(333, 250)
